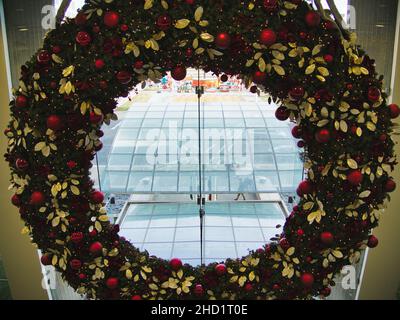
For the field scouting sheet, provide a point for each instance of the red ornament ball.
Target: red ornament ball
(103, 84)
(383, 137)
(323, 136)
(296, 93)
(220, 269)
(259, 77)
(296, 132)
(95, 118)
(83, 38)
(198, 290)
(71, 164)
(300, 232)
(313, 19)
(124, 77)
(96, 247)
(99, 64)
(284, 243)
(326, 238)
(175, 264)
(282, 113)
(276, 287)
(223, 40)
(267, 37)
(326, 292)
(390, 185)
(97, 197)
(374, 94)
(372, 241)
(99, 146)
(307, 279)
(75, 264)
(111, 19)
(355, 177)
(93, 233)
(77, 237)
(37, 198)
(136, 297)
(303, 35)
(56, 49)
(394, 111)
(112, 283)
(16, 200)
(43, 57)
(328, 58)
(305, 187)
(54, 122)
(80, 19)
(253, 89)
(45, 260)
(96, 28)
(329, 25)
(124, 27)
(21, 102)
(270, 5)
(100, 133)
(179, 73)
(189, 52)
(164, 22)
(138, 64)
(248, 287)
(21, 164)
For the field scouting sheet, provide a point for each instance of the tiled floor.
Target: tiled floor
(173, 229)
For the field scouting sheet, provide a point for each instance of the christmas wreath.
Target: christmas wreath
(301, 56)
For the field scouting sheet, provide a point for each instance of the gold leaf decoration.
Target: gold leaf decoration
(242, 280)
(103, 218)
(203, 23)
(323, 71)
(279, 70)
(46, 151)
(195, 43)
(290, 251)
(182, 23)
(68, 71)
(343, 126)
(261, 64)
(148, 4)
(310, 69)
(205, 36)
(39, 146)
(316, 50)
(164, 4)
(75, 190)
(128, 274)
(198, 14)
(365, 194)
(352, 164)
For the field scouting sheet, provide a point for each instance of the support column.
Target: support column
(382, 271)
(19, 255)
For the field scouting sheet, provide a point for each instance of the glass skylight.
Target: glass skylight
(153, 148)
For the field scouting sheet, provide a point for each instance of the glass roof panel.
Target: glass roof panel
(245, 148)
